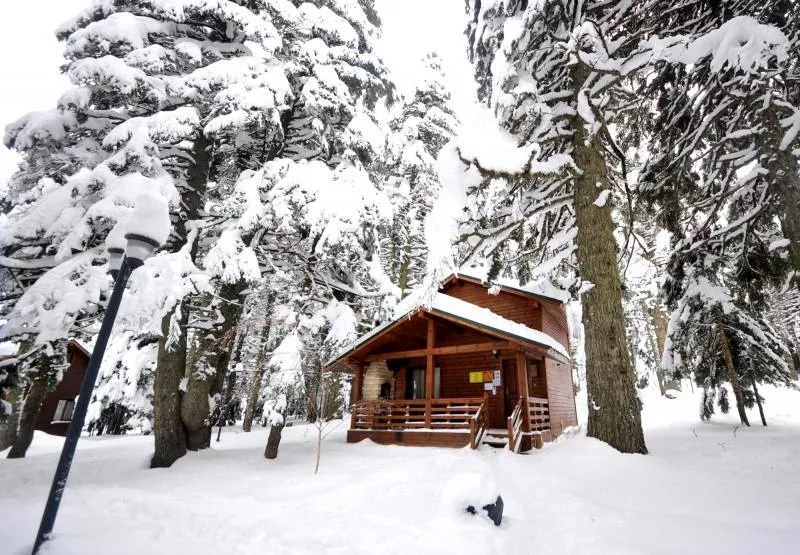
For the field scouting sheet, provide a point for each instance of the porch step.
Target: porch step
(500, 443)
(495, 437)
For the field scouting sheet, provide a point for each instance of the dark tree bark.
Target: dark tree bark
(758, 402)
(9, 422)
(614, 411)
(733, 376)
(659, 322)
(784, 182)
(252, 399)
(255, 384)
(27, 420)
(168, 430)
(208, 366)
(274, 440)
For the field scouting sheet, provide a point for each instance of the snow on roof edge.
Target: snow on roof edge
(451, 306)
(473, 273)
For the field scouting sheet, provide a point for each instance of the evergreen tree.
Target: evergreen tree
(719, 338)
(552, 73)
(422, 126)
(162, 87)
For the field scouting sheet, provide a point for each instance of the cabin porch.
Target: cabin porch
(484, 391)
(449, 422)
(456, 374)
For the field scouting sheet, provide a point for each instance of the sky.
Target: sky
(30, 56)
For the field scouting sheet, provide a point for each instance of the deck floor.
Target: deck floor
(420, 438)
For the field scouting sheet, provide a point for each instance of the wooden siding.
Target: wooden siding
(508, 305)
(411, 437)
(561, 395)
(67, 389)
(554, 323)
(537, 379)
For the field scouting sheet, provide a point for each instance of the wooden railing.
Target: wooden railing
(515, 426)
(477, 425)
(539, 410)
(438, 414)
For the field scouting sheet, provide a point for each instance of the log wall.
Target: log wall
(561, 394)
(508, 305)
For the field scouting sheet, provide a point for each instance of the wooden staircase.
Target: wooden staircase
(495, 437)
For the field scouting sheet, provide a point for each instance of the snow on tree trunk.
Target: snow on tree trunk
(27, 418)
(733, 375)
(168, 430)
(9, 421)
(614, 412)
(784, 178)
(273, 441)
(758, 401)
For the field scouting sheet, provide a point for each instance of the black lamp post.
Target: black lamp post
(120, 265)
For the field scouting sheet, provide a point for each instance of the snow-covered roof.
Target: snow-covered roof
(463, 311)
(543, 289)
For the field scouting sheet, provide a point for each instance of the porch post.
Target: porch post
(522, 387)
(357, 393)
(429, 372)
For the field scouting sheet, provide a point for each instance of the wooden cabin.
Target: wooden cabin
(477, 365)
(58, 405)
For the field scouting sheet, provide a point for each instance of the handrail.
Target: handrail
(390, 414)
(477, 426)
(539, 413)
(515, 427)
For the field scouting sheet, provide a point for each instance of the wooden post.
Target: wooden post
(522, 387)
(429, 372)
(357, 387)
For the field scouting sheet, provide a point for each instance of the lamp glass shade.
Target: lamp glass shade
(139, 249)
(115, 257)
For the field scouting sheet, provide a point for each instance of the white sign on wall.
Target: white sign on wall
(497, 381)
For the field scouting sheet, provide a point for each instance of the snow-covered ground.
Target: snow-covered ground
(705, 488)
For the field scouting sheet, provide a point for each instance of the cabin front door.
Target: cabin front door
(504, 398)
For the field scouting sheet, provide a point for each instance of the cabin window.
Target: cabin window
(415, 384)
(64, 410)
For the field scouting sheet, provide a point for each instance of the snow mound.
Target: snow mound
(465, 489)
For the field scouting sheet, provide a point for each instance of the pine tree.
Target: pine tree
(548, 72)
(723, 136)
(163, 89)
(719, 338)
(424, 124)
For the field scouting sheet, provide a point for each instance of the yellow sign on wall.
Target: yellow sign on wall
(476, 377)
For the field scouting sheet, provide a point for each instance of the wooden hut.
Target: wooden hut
(476, 365)
(56, 412)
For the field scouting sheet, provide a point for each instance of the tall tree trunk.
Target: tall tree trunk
(258, 375)
(758, 401)
(659, 321)
(784, 182)
(168, 430)
(274, 440)
(27, 418)
(9, 422)
(252, 399)
(614, 411)
(208, 365)
(733, 376)
(654, 345)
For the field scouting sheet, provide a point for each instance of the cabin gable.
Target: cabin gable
(521, 308)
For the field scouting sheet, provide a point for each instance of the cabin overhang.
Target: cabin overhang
(432, 378)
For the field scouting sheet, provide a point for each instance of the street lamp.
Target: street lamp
(123, 259)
